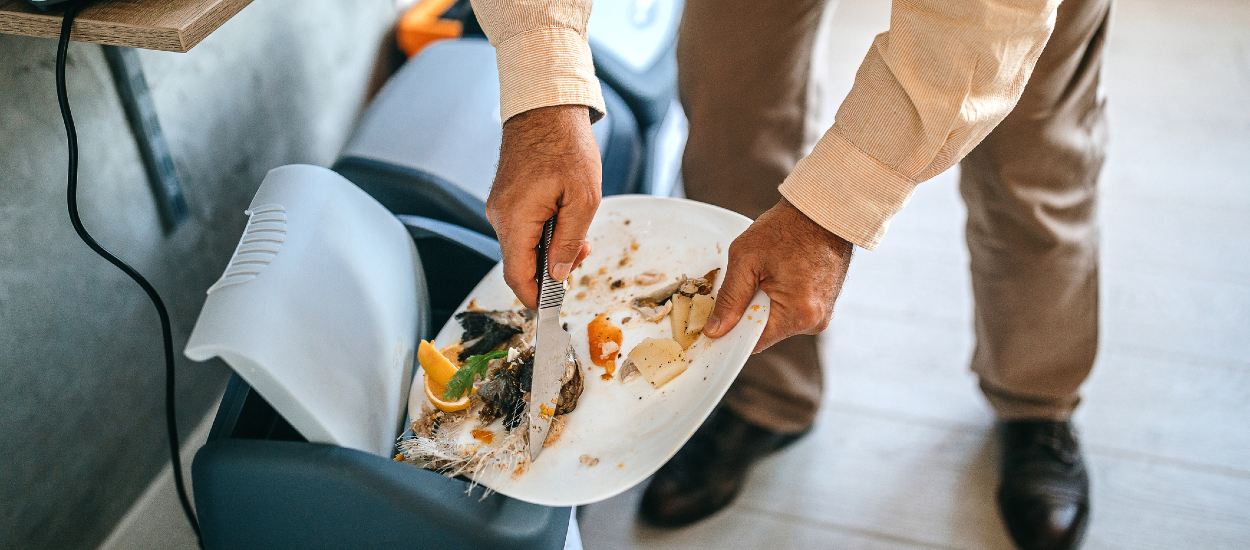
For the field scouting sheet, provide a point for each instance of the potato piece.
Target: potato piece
(679, 318)
(659, 360)
(701, 306)
(628, 371)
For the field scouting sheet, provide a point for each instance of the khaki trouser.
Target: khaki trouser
(744, 72)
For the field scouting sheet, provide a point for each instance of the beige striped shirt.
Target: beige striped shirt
(928, 91)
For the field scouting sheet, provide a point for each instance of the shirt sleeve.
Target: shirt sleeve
(543, 54)
(928, 91)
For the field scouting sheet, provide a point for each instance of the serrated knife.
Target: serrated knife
(551, 347)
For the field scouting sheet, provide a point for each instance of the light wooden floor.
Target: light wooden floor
(902, 455)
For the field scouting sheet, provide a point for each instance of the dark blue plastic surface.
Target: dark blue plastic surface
(287, 494)
(259, 484)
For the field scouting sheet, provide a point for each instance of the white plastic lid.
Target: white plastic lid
(317, 309)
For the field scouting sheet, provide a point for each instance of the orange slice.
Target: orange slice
(437, 366)
(452, 353)
(434, 392)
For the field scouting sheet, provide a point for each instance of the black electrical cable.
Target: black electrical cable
(171, 424)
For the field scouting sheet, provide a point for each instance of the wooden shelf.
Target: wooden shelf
(170, 25)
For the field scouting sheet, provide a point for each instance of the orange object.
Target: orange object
(421, 26)
(485, 436)
(599, 332)
(452, 353)
(436, 365)
(434, 392)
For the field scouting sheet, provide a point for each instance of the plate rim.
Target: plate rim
(760, 298)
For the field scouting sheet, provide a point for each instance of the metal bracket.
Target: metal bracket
(136, 100)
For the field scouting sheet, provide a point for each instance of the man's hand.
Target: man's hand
(797, 263)
(548, 164)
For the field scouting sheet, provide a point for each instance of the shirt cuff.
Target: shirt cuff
(847, 191)
(544, 67)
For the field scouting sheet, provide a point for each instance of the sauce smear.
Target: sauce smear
(605, 344)
(485, 436)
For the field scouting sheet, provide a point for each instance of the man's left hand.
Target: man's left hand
(796, 262)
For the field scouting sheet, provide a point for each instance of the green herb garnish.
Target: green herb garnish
(474, 368)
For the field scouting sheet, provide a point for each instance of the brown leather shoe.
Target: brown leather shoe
(709, 471)
(1043, 495)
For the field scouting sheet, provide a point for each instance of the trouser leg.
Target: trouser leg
(1032, 234)
(744, 68)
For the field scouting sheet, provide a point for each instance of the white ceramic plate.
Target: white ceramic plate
(631, 428)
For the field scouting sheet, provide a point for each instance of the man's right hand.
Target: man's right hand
(548, 164)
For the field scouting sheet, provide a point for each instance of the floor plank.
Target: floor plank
(613, 527)
(936, 484)
(1132, 403)
(930, 486)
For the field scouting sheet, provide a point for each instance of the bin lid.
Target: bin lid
(319, 309)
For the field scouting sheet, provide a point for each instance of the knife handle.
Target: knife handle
(550, 291)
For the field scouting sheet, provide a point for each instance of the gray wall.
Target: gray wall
(81, 379)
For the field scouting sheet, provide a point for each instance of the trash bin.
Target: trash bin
(318, 313)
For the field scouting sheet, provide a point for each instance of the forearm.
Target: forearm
(928, 91)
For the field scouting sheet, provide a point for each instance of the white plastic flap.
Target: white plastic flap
(317, 309)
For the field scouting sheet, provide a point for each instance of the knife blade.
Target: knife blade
(550, 348)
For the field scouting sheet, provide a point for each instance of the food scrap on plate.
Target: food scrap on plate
(687, 303)
(477, 389)
(492, 383)
(604, 339)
